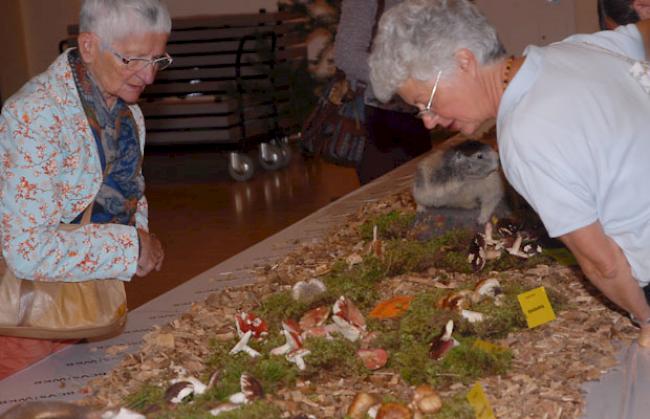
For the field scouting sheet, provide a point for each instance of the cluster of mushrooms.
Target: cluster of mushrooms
(509, 238)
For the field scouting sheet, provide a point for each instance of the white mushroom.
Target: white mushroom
(487, 288)
(296, 357)
(179, 392)
(242, 345)
(224, 407)
(123, 413)
(472, 316)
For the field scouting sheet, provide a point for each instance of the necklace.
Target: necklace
(506, 71)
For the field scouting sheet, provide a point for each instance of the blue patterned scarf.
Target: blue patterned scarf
(116, 136)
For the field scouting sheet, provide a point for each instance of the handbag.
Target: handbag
(61, 310)
(335, 129)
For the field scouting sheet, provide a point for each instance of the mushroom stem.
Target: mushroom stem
(242, 345)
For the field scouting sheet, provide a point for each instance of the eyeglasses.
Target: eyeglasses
(427, 109)
(136, 64)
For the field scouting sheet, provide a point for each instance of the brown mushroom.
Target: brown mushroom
(314, 318)
(373, 359)
(394, 411)
(360, 405)
(251, 390)
(426, 400)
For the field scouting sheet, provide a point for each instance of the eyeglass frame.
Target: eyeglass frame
(149, 61)
(427, 109)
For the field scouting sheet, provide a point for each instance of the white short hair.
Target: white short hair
(117, 19)
(417, 38)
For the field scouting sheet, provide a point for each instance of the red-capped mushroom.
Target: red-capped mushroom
(315, 317)
(250, 322)
(296, 357)
(291, 332)
(373, 359)
(348, 319)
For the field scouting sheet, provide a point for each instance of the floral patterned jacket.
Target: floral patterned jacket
(49, 173)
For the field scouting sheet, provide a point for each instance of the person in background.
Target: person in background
(73, 139)
(394, 134)
(572, 129)
(613, 13)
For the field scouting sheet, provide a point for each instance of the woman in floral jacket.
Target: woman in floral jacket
(73, 139)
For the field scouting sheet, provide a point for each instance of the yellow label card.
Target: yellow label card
(479, 401)
(488, 346)
(536, 307)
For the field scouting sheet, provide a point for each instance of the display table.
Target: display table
(61, 376)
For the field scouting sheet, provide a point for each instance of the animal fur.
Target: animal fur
(464, 176)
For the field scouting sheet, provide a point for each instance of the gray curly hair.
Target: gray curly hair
(116, 19)
(417, 38)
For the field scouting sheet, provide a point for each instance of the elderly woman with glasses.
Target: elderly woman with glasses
(72, 142)
(572, 127)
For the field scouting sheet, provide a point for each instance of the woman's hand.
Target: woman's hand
(151, 253)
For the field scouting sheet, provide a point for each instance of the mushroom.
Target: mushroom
(523, 250)
(321, 332)
(394, 411)
(122, 413)
(242, 345)
(250, 322)
(360, 405)
(248, 325)
(308, 291)
(373, 359)
(348, 319)
(223, 407)
(426, 400)
(490, 288)
(251, 390)
(296, 357)
(376, 246)
(472, 316)
(179, 392)
(476, 255)
(507, 227)
(443, 343)
(314, 318)
(291, 332)
(456, 300)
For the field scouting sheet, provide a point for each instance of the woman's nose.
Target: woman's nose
(430, 121)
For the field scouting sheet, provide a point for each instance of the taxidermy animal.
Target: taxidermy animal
(464, 176)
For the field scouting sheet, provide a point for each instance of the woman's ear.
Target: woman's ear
(466, 61)
(88, 47)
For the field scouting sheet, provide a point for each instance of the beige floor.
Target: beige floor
(203, 217)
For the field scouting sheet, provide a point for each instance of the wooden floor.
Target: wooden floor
(203, 217)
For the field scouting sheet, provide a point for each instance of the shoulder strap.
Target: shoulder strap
(381, 5)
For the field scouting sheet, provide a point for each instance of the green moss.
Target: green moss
(278, 307)
(333, 355)
(358, 283)
(395, 224)
(147, 396)
(258, 410)
(456, 407)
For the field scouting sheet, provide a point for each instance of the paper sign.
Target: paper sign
(488, 347)
(479, 401)
(536, 307)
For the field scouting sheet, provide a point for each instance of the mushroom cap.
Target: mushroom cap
(360, 405)
(423, 390)
(394, 411)
(251, 387)
(348, 318)
(250, 322)
(179, 392)
(315, 317)
(429, 404)
(373, 359)
(490, 287)
(456, 300)
(443, 343)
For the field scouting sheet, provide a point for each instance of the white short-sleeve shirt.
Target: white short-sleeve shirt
(574, 138)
